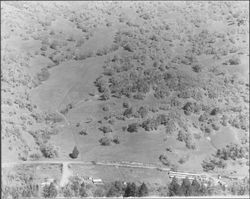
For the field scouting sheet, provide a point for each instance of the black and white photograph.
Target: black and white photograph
(124, 99)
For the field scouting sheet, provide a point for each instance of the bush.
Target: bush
(99, 192)
(186, 188)
(116, 189)
(49, 151)
(190, 143)
(129, 47)
(116, 140)
(67, 108)
(190, 107)
(54, 45)
(143, 111)
(215, 111)
(30, 190)
(185, 94)
(133, 127)
(131, 190)
(216, 126)
(187, 138)
(196, 68)
(208, 129)
(105, 141)
(105, 108)
(150, 124)
(161, 119)
(211, 164)
(175, 102)
(164, 159)
(105, 95)
(231, 151)
(50, 191)
(53, 117)
(203, 117)
(224, 120)
(143, 190)
(75, 185)
(234, 61)
(161, 93)
(74, 153)
(82, 56)
(182, 160)
(182, 136)
(174, 188)
(82, 191)
(109, 71)
(106, 129)
(139, 96)
(83, 132)
(35, 156)
(67, 191)
(170, 127)
(43, 75)
(126, 104)
(128, 112)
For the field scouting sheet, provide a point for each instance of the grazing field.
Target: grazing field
(108, 174)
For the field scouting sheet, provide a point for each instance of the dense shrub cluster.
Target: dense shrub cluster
(153, 123)
(187, 138)
(196, 68)
(170, 126)
(106, 129)
(186, 188)
(83, 132)
(234, 61)
(101, 84)
(105, 141)
(28, 190)
(106, 95)
(232, 151)
(129, 112)
(191, 107)
(126, 80)
(50, 191)
(49, 151)
(240, 121)
(118, 189)
(212, 163)
(82, 55)
(143, 112)
(133, 127)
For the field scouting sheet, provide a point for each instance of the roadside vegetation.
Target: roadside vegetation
(78, 187)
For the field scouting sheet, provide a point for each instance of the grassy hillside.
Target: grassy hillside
(165, 83)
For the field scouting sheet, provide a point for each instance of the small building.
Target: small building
(97, 181)
(43, 184)
(48, 181)
(180, 176)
